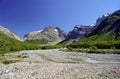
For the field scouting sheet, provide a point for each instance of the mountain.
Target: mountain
(100, 19)
(104, 35)
(49, 35)
(108, 29)
(80, 31)
(77, 33)
(9, 33)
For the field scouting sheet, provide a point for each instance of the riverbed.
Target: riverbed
(53, 63)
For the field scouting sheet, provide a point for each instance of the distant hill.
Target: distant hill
(49, 35)
(9, 33)
(11, 42)
(8, 44)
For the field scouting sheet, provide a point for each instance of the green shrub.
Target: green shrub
(93, 49)
(70, 48)
(113, 48)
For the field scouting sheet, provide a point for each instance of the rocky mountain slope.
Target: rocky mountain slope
(9, 33)
(78, 32)
(49, 35)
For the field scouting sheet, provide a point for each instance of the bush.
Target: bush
(113, 48)
(93, 49)
(70, 48)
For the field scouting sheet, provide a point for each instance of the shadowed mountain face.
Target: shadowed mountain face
(9, 33)
(49, 35)
(108, 29)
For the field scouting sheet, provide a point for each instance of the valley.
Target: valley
(87, 51)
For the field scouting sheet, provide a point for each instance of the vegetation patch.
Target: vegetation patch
(8, 44)
(37, 41)
(22, 56)
(51, 47)
(97, 51)
(10, 61)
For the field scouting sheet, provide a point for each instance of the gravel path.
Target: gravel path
(54, 64)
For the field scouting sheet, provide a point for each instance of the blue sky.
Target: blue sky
(23, 16)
